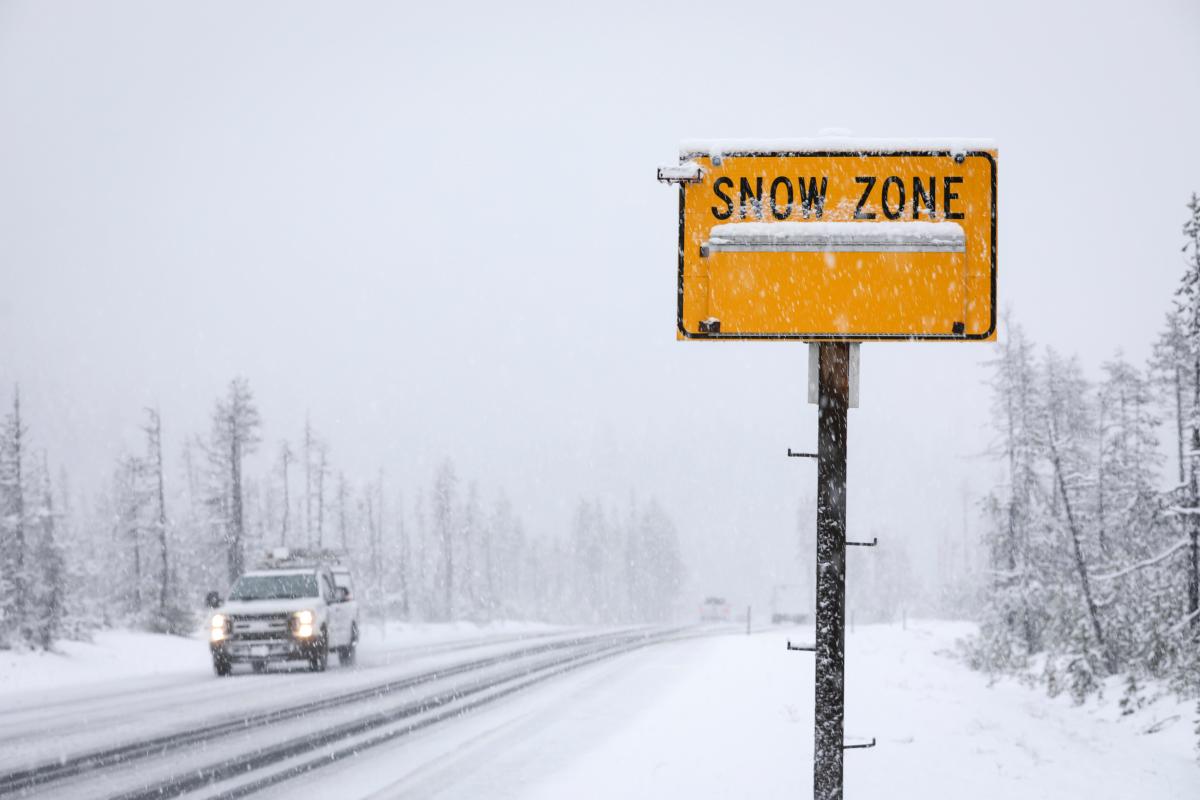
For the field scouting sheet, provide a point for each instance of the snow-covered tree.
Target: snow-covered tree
(1173, 373)
(49, 593)
(1129, 460)
(1015, 618)
(443, 502)
(16, 577)
(402, 562)
(1087, 548)
(1067, 432)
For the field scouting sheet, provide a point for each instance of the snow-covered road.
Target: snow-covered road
(731, 717)
(187, 733)
(86, 707)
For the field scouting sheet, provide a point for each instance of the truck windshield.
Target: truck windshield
(274, 587)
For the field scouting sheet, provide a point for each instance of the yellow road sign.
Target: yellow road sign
(839, 240)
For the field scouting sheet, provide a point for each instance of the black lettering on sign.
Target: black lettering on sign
(869, 180)
(812, 197)
(948, 195)
(753, 194)
(921, 196)
(791, 196)
(883, 198)
(716, 210)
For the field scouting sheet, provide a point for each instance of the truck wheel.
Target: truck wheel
(222, 666)
(320, 655)
(347, 654)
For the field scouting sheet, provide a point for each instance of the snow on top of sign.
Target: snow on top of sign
(838, 233)
(690, 148)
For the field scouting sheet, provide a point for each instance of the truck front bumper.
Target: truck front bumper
(251, 650)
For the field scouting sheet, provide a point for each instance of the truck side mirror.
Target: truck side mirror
(212, 600)
(343, 594)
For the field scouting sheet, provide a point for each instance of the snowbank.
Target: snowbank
(112, 655)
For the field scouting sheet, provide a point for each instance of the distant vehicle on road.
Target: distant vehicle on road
(789, 605)
(299, 607)
(715, 609)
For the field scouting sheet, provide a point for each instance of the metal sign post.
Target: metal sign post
(830, 710)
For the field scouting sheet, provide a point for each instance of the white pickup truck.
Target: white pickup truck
(289, 612)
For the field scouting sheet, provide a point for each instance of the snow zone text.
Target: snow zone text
(807, 197)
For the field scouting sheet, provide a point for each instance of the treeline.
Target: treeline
(1094, 537)
(144, 551)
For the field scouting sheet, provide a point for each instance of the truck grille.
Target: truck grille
(260, 626)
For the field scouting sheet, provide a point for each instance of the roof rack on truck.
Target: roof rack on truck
(298, 557)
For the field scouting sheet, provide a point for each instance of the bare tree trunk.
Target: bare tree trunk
(1179, 421)
(135, 534)
(1100, 533)
(154, 431)
(236, 561)
(468, 558)
(321, 467)
(307, 481)
(373, 539)
(286, 456)
(1194, 517)
(423, 591)
(342, 508)
(402, 550)
(381, 566)
(448, 556)
(489, 569)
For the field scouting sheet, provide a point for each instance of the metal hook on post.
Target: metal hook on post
(859, 746)
(800, 455)
(812, 648)
(871, 543)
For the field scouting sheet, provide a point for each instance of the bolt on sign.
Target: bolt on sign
(836, 240)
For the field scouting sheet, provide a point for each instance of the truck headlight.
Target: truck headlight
(220, 627)
(302, 624)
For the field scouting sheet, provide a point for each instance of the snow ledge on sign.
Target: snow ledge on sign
(699, 148)
(687, 171)
(837, 236)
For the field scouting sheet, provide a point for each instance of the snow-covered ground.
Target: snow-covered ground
(112, 655)
(731, 717)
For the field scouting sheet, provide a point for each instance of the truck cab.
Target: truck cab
(294, 609)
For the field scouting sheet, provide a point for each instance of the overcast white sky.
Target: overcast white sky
(436, 229)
